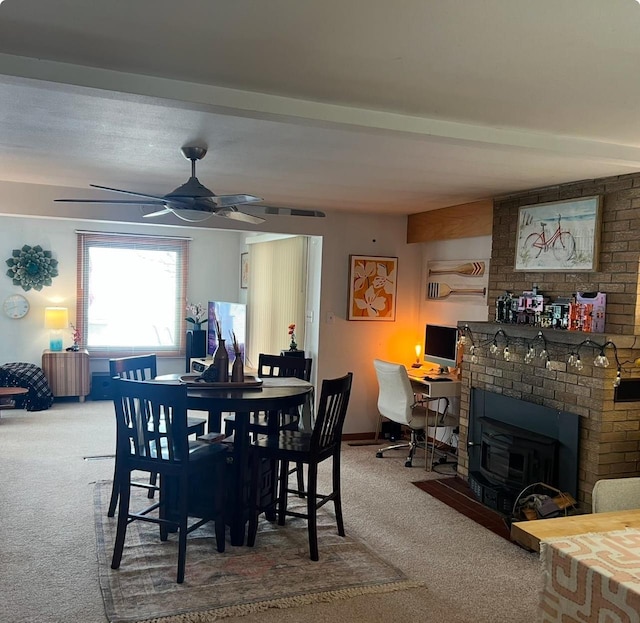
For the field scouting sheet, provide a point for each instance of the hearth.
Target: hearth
(514, 443)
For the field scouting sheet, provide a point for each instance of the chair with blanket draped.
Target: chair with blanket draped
(398, 403)
(141, 368)
(152, 436)
(308, 448)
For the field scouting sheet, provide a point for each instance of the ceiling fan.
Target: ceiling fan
(194, 202)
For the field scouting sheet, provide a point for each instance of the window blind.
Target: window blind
(131, 293)
(276, 296)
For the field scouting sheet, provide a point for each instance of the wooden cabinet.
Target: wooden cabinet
(67, 372)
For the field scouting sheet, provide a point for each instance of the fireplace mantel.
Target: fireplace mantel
(558, 336)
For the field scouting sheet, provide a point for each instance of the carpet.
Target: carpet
(457, 494)
(276, 573)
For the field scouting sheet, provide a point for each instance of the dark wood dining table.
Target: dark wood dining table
(274, 395)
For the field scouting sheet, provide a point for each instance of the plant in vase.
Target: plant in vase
(237, 369)
(76, 337)
(196, 315)
(293, 345)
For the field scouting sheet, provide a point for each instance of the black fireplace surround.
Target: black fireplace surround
(514, 443)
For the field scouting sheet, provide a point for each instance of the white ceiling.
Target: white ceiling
(359, 105)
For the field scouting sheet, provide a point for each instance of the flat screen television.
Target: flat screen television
(232, 317)
(441, 346)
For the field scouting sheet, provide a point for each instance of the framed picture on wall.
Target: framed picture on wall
(244, 270)
(372, 287)
(559, 236)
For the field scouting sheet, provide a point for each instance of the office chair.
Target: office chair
(615, 494)
(398, 403)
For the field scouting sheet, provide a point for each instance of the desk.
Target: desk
(434, 389)
(530, 533)
(276, 394)
(591, 578)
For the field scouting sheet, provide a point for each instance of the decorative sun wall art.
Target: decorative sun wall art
(372, 287)
(32, 267)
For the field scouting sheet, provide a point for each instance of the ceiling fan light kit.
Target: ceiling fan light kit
(195, 199)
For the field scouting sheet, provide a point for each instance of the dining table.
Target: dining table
(272, 396)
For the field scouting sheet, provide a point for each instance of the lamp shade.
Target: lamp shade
(56, 318)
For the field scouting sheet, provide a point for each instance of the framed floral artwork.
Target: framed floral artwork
(372, 287)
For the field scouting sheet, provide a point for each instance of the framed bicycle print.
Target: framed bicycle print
(559, 236)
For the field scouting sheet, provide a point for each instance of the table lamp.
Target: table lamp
(417, 364)
(56, 319)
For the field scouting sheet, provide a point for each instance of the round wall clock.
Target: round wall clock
(15, 306)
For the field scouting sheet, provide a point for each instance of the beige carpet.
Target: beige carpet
(276, 573)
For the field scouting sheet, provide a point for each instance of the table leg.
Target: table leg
(238, 501)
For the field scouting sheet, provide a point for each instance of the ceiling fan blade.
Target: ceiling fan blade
(224, 201)
(165, 210)
(128, 192)
(272, 210)
(131, 202)
(234, 214)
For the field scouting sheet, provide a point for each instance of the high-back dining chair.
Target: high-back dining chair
(270, 366)
(398, 403)
(304, 448)
(615, 494)
(141, 368)
(152, 436)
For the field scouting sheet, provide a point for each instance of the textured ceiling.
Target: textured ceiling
(360, 105)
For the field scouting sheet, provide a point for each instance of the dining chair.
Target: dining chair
(152, 436)
(141, 368)
(615, 494)
(270, 366)
(398, 403)
(308, 448)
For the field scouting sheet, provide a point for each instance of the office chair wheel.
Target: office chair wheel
(378, 455)
(408, 463)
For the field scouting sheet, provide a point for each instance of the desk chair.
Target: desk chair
(615, 494)
(303, 447)
(398, 403)
(141, 368)
(152, 435)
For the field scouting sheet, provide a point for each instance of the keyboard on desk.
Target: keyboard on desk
(436, 379)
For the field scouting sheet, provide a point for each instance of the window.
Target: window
(131, 293)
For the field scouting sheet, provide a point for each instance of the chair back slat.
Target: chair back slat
(283, 366)
(136, 368)
(332, 410)
(151, 421)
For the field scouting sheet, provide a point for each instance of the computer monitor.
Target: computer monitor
(232, 317)
(441, 346)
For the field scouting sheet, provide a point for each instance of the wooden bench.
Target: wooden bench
(7, 394)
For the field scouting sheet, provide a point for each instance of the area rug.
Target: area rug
(275, 573)
(457, 494)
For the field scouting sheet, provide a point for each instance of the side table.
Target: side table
(67, 372)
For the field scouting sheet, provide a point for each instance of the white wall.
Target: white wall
(342, 345)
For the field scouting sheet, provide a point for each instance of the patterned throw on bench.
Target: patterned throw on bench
(32, 377)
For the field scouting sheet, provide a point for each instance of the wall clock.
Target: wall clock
(15, 306)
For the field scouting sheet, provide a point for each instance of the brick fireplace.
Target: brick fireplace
(609, 435)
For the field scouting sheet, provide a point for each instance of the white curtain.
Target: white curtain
(276, 296)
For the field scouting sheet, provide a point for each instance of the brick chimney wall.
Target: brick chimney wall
(610, 431)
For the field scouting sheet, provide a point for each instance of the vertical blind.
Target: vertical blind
(276, 296)
(131, 293)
